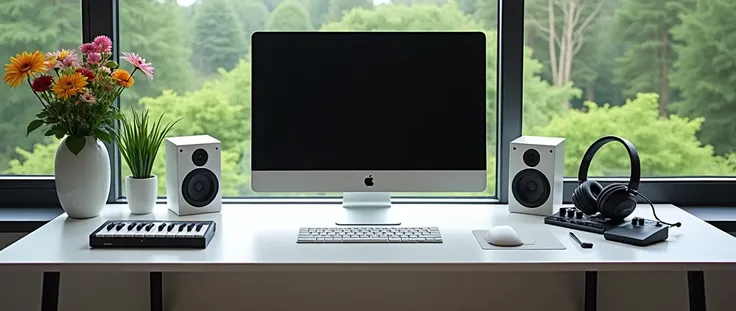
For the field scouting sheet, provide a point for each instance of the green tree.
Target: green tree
(705, 71)
(30, 25)
(667, 146)
(644, 29)
(219, 41)
(318, 10)
(290, 15)
(156, 31)
(251, 14)
(340, 7)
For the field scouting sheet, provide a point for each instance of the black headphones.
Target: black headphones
(615, 201)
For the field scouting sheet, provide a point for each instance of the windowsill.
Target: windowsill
(25, 220)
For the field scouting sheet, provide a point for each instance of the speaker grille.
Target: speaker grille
(199, 188)
(530, 188)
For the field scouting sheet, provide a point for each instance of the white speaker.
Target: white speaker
(193, 184)
(536, 169)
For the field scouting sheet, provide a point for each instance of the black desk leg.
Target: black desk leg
(157, 291)
(50, 291)
(696, 290)
(591, 290)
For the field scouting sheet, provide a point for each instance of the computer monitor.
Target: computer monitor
(367, 114)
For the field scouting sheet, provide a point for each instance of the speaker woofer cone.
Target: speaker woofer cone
(530, 188)
(199, 188)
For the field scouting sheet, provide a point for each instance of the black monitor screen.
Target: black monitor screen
(368, 101)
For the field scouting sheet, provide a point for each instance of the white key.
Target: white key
(181, 234)
(162, 233)
(151, 233)
(139, 233)
(103, 233)
(200, 233)
(172, 233)
(122, 233)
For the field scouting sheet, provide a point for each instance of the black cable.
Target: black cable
(677, 224)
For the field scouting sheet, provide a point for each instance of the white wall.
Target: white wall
(20, 291)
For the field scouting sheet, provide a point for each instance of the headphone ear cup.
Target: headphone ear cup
(586, 195)
(616, 202)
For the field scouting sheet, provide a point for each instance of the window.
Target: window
(659, 73)
(31, 25)
(200, 51)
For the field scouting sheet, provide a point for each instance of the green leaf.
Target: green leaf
(33, 126)
(102, 135)
(111, 64)
(42, 114)
(59, 134)
(75, 144)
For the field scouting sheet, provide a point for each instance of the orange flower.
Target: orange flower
(122, 78)
(70, 85)
(23, 66)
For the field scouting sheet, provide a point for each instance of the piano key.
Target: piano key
(139, 233)
(190, 227)
(104, 232)
(200, 233)
(199, 227)
(149, 226)
(139, 226)
(122, 233)
(170, 227)
(131, 225)
(180, 234)
(181, 227)
(110, 226)
(161, 226)
(152, 232)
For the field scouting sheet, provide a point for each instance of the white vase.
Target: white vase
(141, 194)
(82, 180)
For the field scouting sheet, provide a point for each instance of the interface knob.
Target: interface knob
(578, 214)
(563, 211)
(635, 221)
(641, 221)
(570, 213)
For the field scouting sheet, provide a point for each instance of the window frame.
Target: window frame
(100, 17)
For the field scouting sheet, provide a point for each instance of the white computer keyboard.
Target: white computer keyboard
(371, 234)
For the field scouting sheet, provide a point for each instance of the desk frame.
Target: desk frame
(50, 294)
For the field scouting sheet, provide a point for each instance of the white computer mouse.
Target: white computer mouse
(503, 236)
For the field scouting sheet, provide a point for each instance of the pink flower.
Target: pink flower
(63, 58)
(94, 58)
(105, 70)
(88, 48)
(87, 97)
(103, 44)
(139, 63)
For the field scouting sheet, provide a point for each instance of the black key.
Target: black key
(161, 226)
(190, 227)
(181, 228)
(139, 227)
(110, 226)
(170, 227)
(199, 227)
(131, 226)
(120, 226)
(149, 226)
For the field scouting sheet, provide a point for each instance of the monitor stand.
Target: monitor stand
(367, 209)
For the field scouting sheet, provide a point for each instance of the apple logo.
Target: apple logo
(369, 181)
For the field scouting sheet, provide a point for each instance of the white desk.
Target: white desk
(262, 237)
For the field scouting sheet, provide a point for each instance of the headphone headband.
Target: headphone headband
(633, 158)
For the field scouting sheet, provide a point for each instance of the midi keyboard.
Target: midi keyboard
(153, 234)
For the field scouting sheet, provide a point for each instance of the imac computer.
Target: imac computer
(368, 114)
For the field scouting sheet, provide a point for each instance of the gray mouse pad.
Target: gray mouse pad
(533, 239)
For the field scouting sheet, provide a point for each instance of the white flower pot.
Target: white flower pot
(141, 194)
(82, 180)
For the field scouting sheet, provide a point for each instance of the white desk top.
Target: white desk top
(262, 237)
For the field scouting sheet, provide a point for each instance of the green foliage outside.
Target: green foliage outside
(219, 38)
(612, 85)
(289, 16)
(705, 71)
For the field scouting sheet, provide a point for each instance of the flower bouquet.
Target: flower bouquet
(77, 94)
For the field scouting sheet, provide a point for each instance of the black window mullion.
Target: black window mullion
(100, 17)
